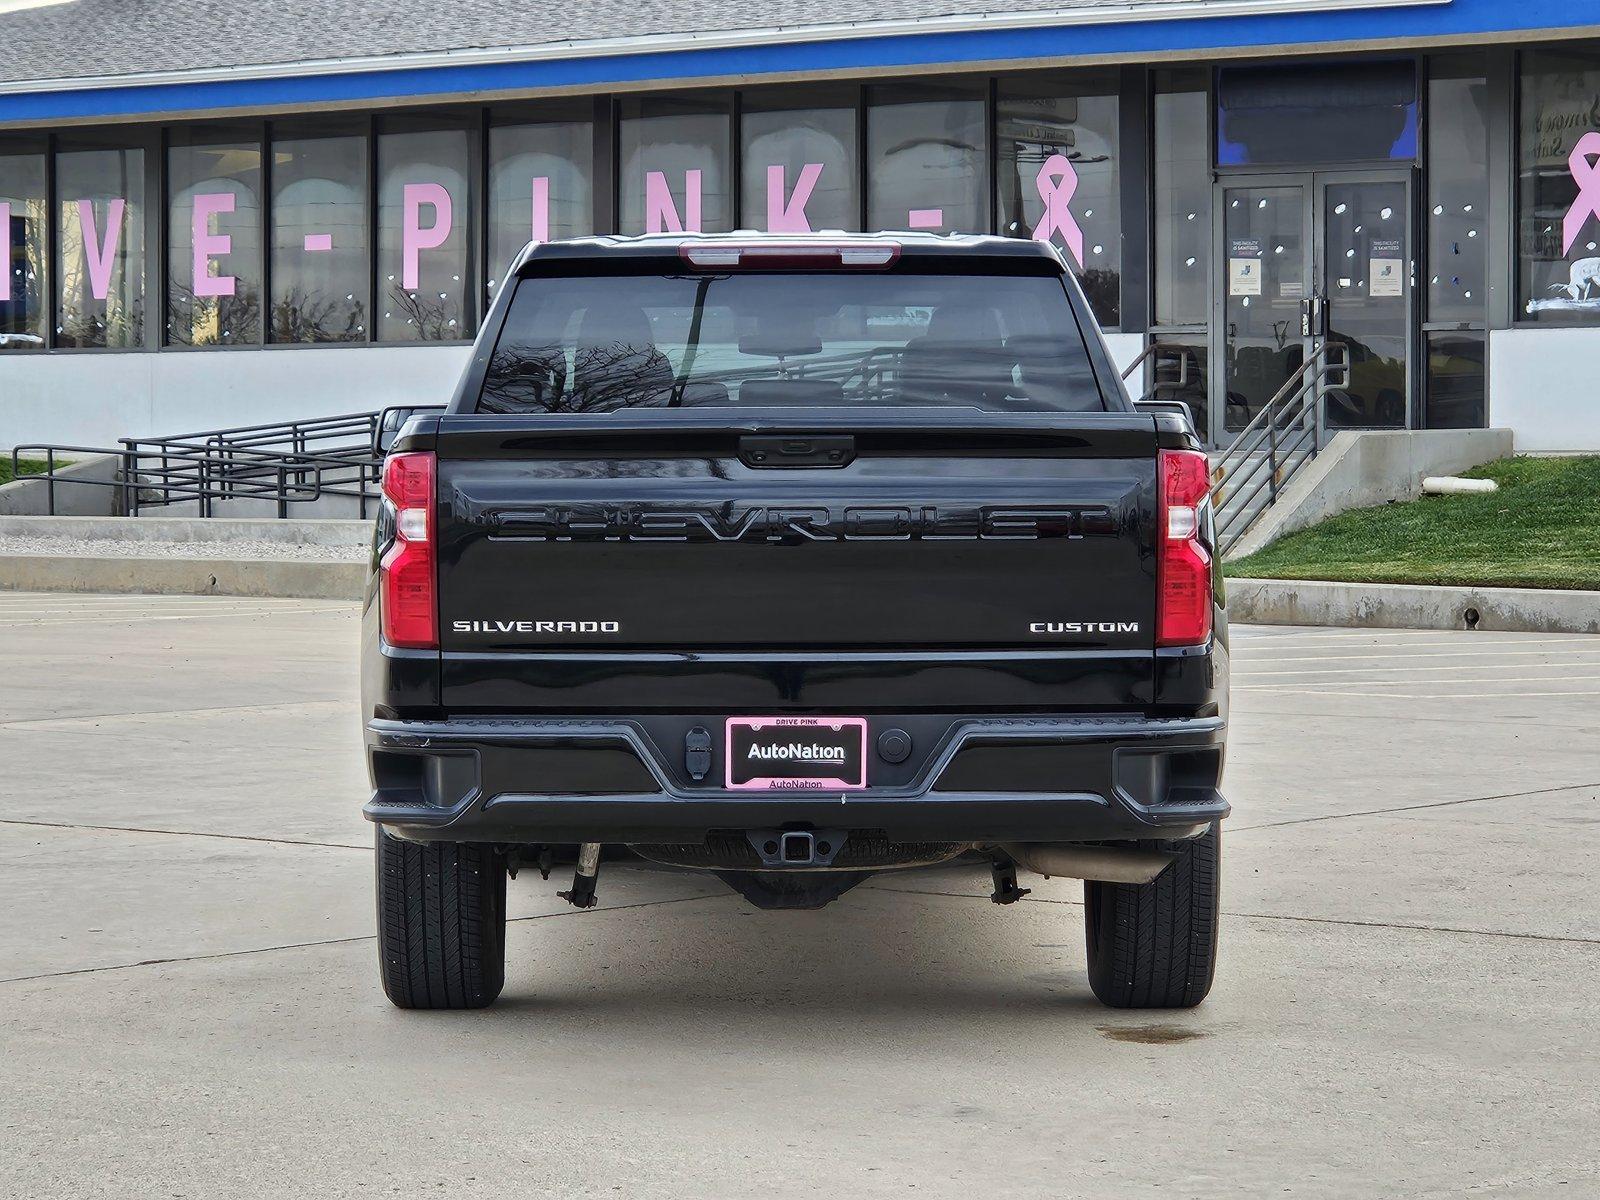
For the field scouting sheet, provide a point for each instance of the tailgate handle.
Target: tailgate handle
(801, 451)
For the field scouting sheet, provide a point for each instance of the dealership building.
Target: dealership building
(217, 214)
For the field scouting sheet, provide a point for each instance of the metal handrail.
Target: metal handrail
(1293, 385)
(290, 463)
(1154, 349)
(1288, 432)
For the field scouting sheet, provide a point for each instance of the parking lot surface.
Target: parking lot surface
(189, 1006)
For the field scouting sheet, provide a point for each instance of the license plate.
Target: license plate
(801, 754)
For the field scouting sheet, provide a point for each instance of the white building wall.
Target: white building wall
(93, 399)
(1125, 347)
(1543, 387)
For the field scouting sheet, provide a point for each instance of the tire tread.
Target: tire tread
(1154, 945)
(441, 923)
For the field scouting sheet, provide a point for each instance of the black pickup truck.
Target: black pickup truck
(794, 559)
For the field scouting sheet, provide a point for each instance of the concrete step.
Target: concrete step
(185, 576)
(223, 556)
(152, 530)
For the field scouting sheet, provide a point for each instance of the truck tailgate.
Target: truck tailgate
(890, 533)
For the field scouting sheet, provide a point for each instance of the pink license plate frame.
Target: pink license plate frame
(779, 782)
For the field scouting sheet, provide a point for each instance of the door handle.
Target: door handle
(1313, 316)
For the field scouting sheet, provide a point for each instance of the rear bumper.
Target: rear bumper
(529, 780)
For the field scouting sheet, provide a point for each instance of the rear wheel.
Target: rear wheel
(441, 923)
(1154, 945)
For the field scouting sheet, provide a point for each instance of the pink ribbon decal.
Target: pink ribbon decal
(100, 256)
(1057, 181)
(1586, 175)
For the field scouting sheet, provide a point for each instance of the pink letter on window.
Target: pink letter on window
(414, 238)
(100, 256)
(925, 218)
(318, 242)
(789, 216)
(5, 251)
(541, 208)
(661, 214)
(208, 245)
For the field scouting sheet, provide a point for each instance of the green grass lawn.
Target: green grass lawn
(1541, 529)
(29, 466)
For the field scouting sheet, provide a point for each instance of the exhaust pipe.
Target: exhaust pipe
(1106, 864)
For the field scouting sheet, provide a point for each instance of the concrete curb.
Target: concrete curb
(184, 576)
(1409, 606)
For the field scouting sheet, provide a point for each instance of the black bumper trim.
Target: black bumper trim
(673, 812)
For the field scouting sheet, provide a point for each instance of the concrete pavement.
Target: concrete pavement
(189, 1002)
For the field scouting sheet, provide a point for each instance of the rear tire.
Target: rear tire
(441, 923)
(1154, 945)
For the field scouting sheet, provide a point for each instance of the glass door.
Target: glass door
(1265, 256)
(1366, 273)
(1308, 256)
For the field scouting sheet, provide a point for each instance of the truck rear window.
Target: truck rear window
(821, 340)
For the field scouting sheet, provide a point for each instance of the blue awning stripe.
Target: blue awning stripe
(1200, 37)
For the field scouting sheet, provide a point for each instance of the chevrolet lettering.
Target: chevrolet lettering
(866, 523)
(795, 559)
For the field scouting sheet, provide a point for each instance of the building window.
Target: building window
(1056, 136)
(675, 177)
(800, 160)
(926, 151)
(214, 236)
(99, 242)
(1182, 214)
(320, 253)
(1317, 113)
(425, 203)
(1456, 390)
(24, 253)
(1458, 187)
(541, 179)
(1558, 216)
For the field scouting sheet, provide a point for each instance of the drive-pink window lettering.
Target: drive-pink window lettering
(788, 214)
(541, 208)
(416, 237)
(5, 250)
(661, 212)
(100, 256)
(208, 246)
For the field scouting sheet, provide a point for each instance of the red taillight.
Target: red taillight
(408, 604)
(1183, 572)
(721, 256)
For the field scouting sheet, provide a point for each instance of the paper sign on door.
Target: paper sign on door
(1244, 267)
(1384, 269)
